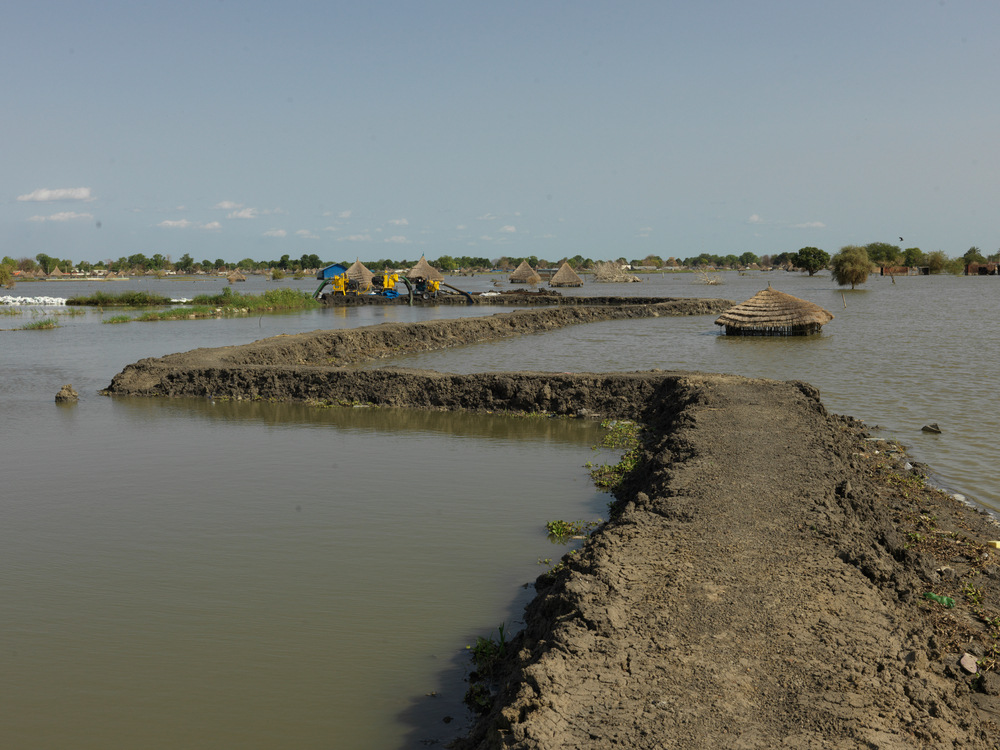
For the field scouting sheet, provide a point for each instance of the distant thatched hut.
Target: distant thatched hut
(57, 273)
(358, 273)
(524, 274)
(235, 276)
(424, 270)
(774, 313)
(565, 276)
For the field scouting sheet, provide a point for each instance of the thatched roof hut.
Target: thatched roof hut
(357, 272)
(774, 313)
(56, 272)
(565, 276)
(525, 274)
(424, 270)
(235, 276)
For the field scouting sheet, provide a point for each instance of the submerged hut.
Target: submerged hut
(360, 274)
(524, 274)
(424, 270)
(235, 276)
(565, 276)
(774, 313)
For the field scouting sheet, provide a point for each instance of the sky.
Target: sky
(228, 129)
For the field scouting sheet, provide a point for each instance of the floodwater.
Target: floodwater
(183, 573)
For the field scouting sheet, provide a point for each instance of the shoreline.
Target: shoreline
(761, 582)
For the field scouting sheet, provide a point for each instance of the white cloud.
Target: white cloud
(45, 195)
(810, 225)
(331, 229)
(646, 229)
(356, 238)
(487, 217)
(345, 214)
(268, 211)
(510, 229)
(182, 224)
(547, 237)
(398, 222)
(398, 240)
(460, 226)
(62, 216)
(275, 233)
(246, 213)
(181, 208)
(228, 205)
(211, 225)
(486, 239)
(306, 234)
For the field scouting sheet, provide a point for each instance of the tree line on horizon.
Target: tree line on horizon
(808, 259)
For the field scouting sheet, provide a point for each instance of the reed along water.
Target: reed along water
(199, 574)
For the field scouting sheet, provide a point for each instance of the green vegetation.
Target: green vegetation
(120, 299)
(560, 532)
(121, 318)
(622, 434)
(487, 653)
(272, 299)
(6, 274)
(937, 261)
(44, 324)
(811, 259)
(851, 266)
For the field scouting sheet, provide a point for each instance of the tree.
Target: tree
(883, 254)
(185, 263)
(811, 259)
(7, 273)
(913, 257)
(937, 261)
(973, 255)
(851, 266)
(748, 259)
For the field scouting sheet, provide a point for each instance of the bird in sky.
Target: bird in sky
(901, 239)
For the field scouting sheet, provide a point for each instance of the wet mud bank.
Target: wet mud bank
(305, 366)
(761, 584)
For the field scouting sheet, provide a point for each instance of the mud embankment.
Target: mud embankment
(310, 365)
(755, 590)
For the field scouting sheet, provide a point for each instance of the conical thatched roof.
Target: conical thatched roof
(357, 272)
(525, 274)
(565, 276)
(774, 313)
(56, 272)
(235, 276)
(424, 270)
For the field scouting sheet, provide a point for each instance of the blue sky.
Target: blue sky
(231, 129)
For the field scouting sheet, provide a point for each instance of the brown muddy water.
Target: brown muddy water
(198, 574)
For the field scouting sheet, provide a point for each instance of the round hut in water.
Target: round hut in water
(524, 274)
(774, 313)
(565, 276)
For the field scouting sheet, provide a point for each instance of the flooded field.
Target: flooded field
(199, 574)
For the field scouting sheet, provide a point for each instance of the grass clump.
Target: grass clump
(44, 324)
(621, 434)
(272, 299)
(121, 318)
(120, 299)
